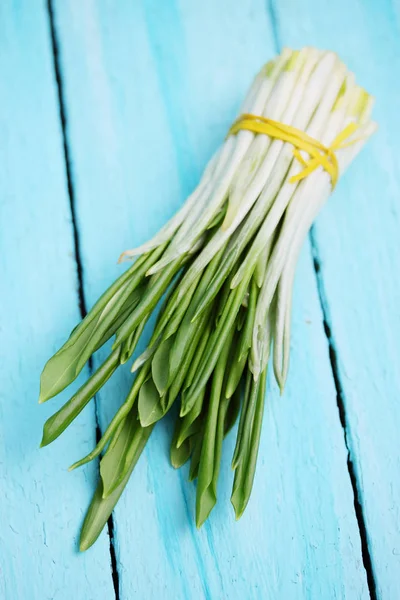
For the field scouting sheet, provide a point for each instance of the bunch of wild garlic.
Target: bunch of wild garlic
(227, 262)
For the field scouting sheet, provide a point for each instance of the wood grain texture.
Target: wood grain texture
(41, 506)
(151, 88)
(358, 242)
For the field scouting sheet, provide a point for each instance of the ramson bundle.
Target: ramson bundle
(223, 268)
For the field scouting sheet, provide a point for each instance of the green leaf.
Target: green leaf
(182, 342)
(239, 435)
(129, 346)
(186, 429)
(219, 216)
(232, 412)
(125, 347)
(189, 333)
(150, 409)
(237, 497)
(124, 312)
(234, 375)
(197, 444)
(197, 357)
(156, 288)
(61, 369)
(261, 266)
(180, 369)
(218, 339)
(101, 444)
(160, 365)
(116, 461)
(113, 308)
(247, 332)
(189, 432)
(113, 461)
(171, 319)
(206, 495)
(179, 455)
(249, 418)
(128, 295)
(98, 513)
(64, 367)
(245, 471)
(220, 276)
(101, 508)
(103, 300)
(241, 318)
(117, 421)
(57, 423)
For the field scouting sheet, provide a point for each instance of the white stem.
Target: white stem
(285, 286)
(239, 144)
(196, 198)
(288, 189)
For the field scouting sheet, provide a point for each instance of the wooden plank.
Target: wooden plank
(151, 89)
(41, 505)
(358, 240)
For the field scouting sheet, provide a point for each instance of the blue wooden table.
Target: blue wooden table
(109, 112)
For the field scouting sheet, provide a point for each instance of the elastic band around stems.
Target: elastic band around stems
(320, 155)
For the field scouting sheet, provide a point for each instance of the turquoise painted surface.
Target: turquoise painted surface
(358, 242)
(40, 507)
(149, 89)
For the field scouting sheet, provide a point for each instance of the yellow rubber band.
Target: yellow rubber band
(319, 155)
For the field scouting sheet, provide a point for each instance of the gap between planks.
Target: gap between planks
(333, 358)
(77, 247)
